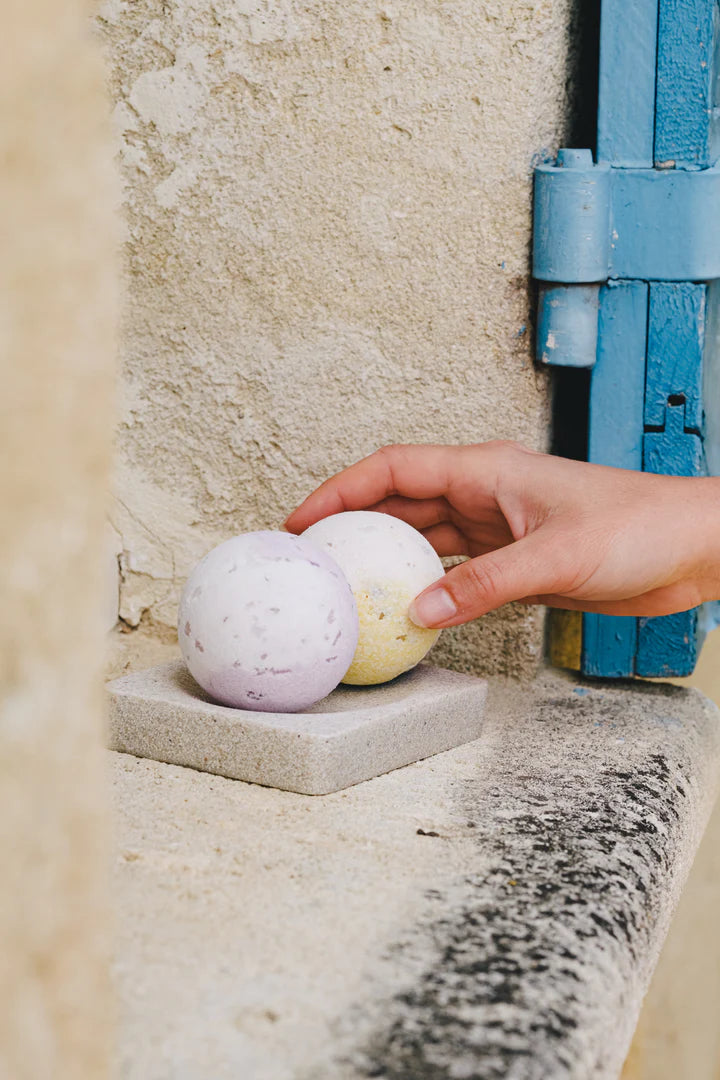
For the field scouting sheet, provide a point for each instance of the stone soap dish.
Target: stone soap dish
(354, 734)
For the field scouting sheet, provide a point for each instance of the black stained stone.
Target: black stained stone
(531, 954)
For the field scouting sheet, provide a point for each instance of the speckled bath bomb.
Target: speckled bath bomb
(387, 563)
(268, 622)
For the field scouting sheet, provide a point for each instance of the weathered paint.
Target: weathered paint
(615, 438)
(676, 335)
(674, 451)
(626, 114)
(687, 133)
(565, 639)
(618, 380)
(668, 646)
(673, 445)
(656, 198)
(568, 324)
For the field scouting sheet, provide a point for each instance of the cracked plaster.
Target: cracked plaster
(328, 218)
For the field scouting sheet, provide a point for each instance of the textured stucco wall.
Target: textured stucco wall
(328, 223)
(57, 314)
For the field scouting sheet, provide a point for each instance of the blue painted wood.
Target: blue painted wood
(609, 645)
(673, 407)
(666, 224)
(667, 647)
(617, 389)
(686, 123)
(659, 130)
(711, 378)
(617, 393)
(626, 112)
(676, 340)
(593, 222)
(674, 451)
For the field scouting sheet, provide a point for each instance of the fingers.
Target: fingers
(446, 539)
(431, 517)
(434, 519)
(420, 513)
(469, 599)
(416, 472)
(520, 570)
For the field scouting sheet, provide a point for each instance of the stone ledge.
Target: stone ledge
(492, 912)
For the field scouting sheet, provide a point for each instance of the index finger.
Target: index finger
(416, 472)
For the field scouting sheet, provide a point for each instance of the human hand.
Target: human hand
(539, 529)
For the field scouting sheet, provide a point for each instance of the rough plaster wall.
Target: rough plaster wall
(327, 250)
(57, 317)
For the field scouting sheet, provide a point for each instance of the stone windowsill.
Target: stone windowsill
(495, 911)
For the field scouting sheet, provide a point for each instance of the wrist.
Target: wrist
(704, 527)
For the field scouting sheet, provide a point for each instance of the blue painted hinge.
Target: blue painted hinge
(595, 223)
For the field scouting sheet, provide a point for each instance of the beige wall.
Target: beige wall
(57, 293)
(327, 211)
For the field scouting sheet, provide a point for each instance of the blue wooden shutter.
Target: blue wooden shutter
(627, 256)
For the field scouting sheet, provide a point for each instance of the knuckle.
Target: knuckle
(511, 448)
(391, 456)
(504, 450)
(392, 451)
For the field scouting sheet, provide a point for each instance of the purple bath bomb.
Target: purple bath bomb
(267, 622)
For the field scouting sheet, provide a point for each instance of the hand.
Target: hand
(539, 529)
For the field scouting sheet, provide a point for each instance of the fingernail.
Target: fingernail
(432, 608)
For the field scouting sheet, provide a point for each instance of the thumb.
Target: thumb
(479, 585)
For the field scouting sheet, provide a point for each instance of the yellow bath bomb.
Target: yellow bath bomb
(387, 563)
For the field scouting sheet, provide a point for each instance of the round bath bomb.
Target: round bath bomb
(387, 563)
(268, 622)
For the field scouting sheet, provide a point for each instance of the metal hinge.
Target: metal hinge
(597, 223)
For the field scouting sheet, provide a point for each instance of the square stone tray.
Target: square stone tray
(354, 734)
